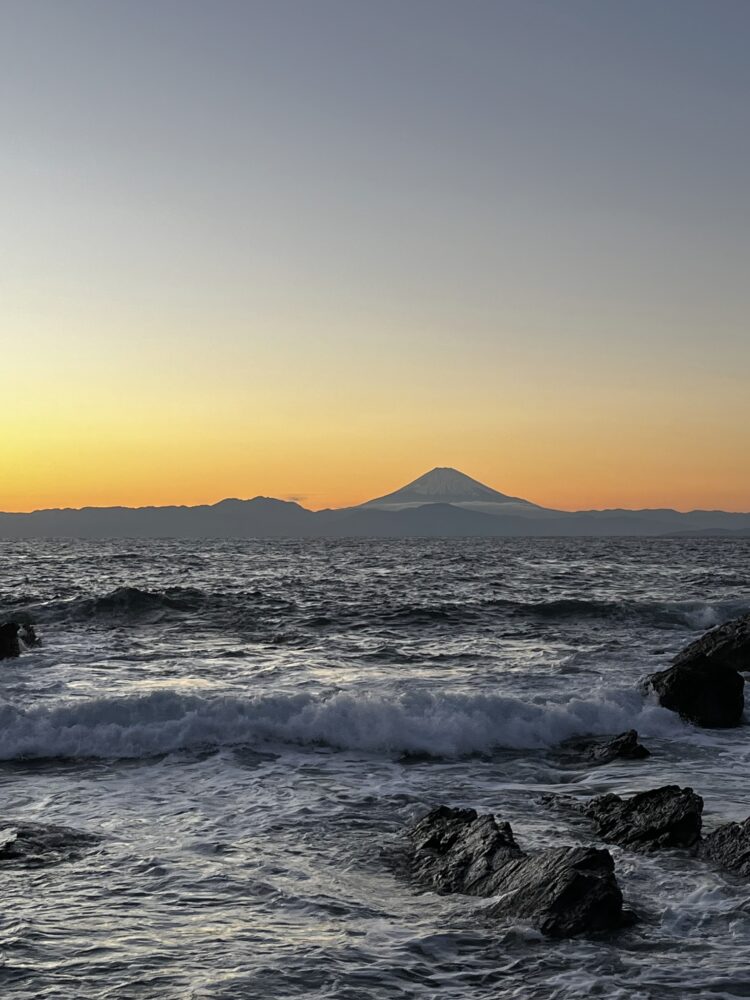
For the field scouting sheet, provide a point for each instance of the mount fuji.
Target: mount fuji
(449, 486)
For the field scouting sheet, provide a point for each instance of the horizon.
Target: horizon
(286, 248)
(365, 500)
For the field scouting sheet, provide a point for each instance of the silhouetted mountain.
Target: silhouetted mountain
(442, 503)
(449, 486)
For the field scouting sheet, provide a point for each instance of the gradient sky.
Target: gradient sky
(312, 248)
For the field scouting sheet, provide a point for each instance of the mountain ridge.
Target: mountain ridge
(443, 502)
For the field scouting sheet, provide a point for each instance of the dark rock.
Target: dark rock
(703, 684)
(455, 850)
(9, 644)
(727, 646)
(32, 845)
(625, 746)
(562, 891)
(701, 691)
(662, 817)
(729, 847)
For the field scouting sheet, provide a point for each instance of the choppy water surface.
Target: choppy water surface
(249, 725)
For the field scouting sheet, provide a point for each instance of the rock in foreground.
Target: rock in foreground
(662, 817)
(729, 847)
(562, 891)
(33, 845)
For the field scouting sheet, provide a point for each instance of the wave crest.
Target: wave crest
(443, 724)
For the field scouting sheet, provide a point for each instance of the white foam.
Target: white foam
(441, 724)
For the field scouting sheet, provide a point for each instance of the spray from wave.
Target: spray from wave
(444, 725)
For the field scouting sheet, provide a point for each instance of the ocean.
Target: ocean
(249, 726)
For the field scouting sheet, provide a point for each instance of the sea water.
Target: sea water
(250, 725)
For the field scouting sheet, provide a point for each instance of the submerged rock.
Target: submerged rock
(701, 692)
(33, 845)
(9, 644)
(703, 683)
(562, 891)
(648, 821)
(729, 847)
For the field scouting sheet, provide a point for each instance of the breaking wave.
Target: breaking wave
(440, 725)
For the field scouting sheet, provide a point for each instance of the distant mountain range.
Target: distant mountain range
(442, 503)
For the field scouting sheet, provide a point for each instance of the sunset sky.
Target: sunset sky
(312, 248)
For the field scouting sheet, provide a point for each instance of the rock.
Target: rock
(9, 644)
(625, 746)
(562, 891)
(662, 817)
(727, 646)
(33, 845)
(701, 691)
(703, 684)
(455, 850)
(729, 847)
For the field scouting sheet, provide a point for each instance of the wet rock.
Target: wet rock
(701, 691)
(562, 891)
(729, 847)
(703, 683)
(9, 644)
(662, 817)
(624, 746)
(727, 646)
(33, 845)
(455, 850)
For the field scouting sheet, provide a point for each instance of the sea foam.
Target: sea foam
(438, 724)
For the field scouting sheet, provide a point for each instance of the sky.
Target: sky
(312, 248)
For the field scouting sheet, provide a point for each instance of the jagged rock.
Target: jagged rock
(9, 644)
(455, 850)
(562, 891)
(662, 817)
(727, 646)
(625, 746)
(33, 845)
(703, 684)
(729, 847)
(701, 691)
